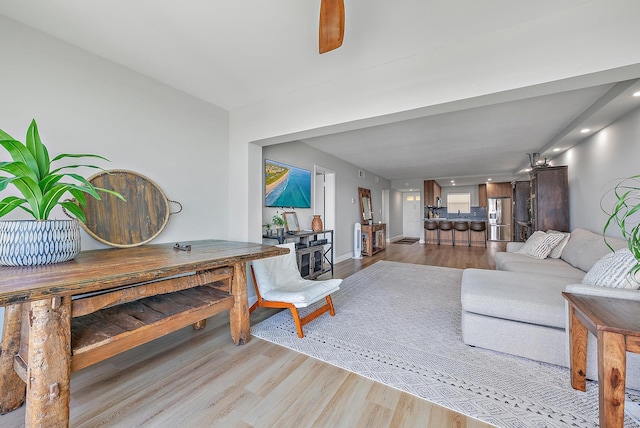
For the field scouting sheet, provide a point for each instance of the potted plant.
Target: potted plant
(267, 227)
(278, 222)
(32, 173)
(626, 215)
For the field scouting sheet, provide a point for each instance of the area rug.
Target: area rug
(399, 324)
(406, 241)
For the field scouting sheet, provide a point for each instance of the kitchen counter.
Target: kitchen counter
(463, 238)
(456, 219)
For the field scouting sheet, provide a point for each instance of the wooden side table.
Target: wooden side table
(616, 325)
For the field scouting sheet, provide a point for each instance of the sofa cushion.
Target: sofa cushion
(613, 270)
(524, 297)
(540, 244)
(561, 270)
(520, 263)
(585, 248)
(557, 250)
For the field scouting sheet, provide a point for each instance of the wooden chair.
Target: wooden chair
(278, 284)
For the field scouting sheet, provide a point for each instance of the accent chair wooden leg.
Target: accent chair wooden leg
(332, 311)
(296, 318)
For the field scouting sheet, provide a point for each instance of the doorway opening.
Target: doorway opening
(324, 202)
(412, 213)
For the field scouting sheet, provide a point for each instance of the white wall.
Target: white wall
(595, 165)
(347, 183)
(84, 104)
(395, 220)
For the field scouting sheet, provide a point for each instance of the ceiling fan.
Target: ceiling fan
(331, 30)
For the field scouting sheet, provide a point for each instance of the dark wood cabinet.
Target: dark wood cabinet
(549, 199)
(432, 191)
(482, 195)
(499, 190)
(521, 194)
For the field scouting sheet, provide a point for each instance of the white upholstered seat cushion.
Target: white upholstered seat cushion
(279, 280)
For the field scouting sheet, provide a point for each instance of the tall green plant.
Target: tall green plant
(626, 215)
(41, 186)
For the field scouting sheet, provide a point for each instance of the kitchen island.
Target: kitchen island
(470, 231)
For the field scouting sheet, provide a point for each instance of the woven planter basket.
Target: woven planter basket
(38, 242)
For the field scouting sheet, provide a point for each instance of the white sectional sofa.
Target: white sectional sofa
(519, 309)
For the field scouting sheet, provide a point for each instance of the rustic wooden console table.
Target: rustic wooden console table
(64, 317)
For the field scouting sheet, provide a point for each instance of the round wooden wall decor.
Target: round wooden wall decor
(126, 224)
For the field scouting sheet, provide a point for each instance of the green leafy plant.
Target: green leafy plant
(277, 220)
(41, 186)
(626, 214)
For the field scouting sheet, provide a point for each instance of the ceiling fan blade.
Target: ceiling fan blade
(331, 31)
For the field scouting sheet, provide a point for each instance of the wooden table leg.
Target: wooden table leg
(12, 388)
(578, 336)
(611, 378)
(239, 313)
(49, 363)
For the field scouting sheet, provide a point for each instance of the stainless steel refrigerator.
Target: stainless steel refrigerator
(499, 213)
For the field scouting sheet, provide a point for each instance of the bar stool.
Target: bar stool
(479, 226)
(461, 226)
(445, 225)
(433, 226)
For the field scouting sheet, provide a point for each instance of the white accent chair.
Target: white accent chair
(279, 284)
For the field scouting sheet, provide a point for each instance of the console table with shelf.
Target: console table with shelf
(374, 238)
(60, 318)
(314, 254)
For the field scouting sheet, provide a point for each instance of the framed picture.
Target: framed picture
(286, 185)
(291, 221)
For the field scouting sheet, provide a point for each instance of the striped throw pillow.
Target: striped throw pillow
(613, 270)
(540, 244)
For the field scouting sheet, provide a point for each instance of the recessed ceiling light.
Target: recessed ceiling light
(636, 94)
(585, 130)
(488, 179)
(453, 181)
(556, 149)
(527, 170)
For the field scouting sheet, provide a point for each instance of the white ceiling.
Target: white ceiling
(235, 54)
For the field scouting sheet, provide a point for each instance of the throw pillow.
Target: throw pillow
(612, 270)
(540, 244)
(557, 250)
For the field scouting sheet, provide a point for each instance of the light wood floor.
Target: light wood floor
(200, 379)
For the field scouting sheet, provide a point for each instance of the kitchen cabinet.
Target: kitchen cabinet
(549, 196)
(499, 190)
(432, 191)
(482, 195)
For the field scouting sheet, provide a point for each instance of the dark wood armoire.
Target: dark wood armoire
(549, 198)
(521, 210)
